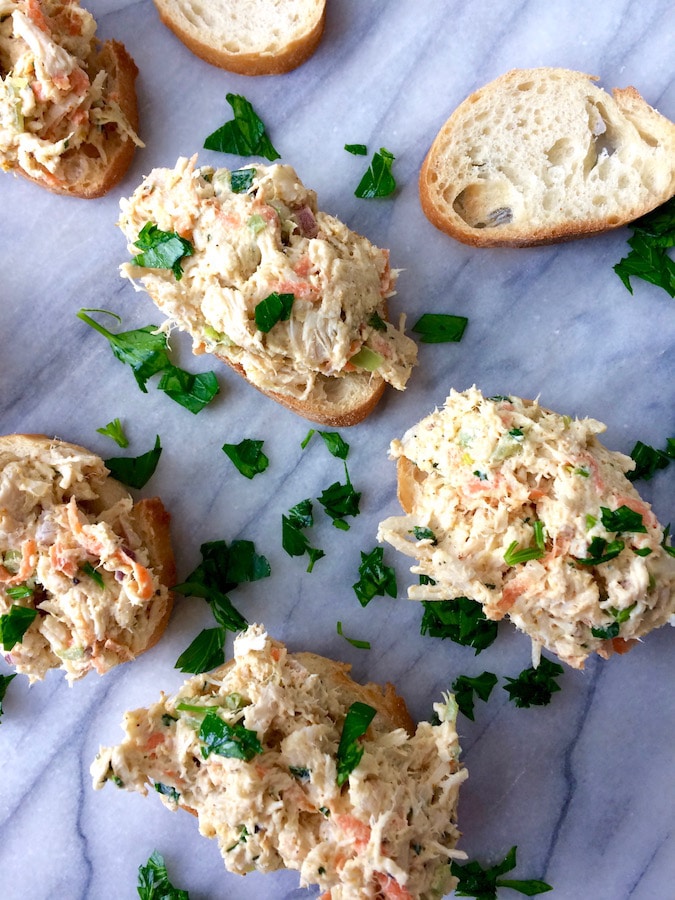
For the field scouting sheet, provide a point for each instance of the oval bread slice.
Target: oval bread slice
(279, 793)
(544, 155)
(90, 566)
(250, 37)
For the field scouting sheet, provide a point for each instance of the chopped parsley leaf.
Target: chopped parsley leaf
(534, 687)
(357, 149)
(340, 500)
(232, 741)
(161, 250)
(167, 791)
(378, 180)
(349, 752)
(206, 652)
(4, 684)
(274, 308)
(622, 519)
(462, 620)
(513, 556)
(375, 577)
(95, 576)
(14, 624)
(464, 687)
(115, 431)
(153, 881)
(649, 460)
(293, 541)
(335, 443)
(424, 534)
(135, 471)
(241, 180)
(440, 328)
(244, 135)
(648, 258)
(601, 551)
(19, 592)
(193, 391)
(247, 456)
(475, 881)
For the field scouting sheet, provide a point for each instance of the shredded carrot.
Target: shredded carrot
(391, 889)
(357, 830)
(28, 563)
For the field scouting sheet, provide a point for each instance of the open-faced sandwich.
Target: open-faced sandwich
(289, 763)
(84, 571)
(68, 113)
(526, 512)
(288, 296)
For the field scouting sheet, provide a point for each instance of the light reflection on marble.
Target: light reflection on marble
(584, 787)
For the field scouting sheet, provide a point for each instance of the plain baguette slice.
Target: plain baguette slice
(250, 37)
(544, 155)
(345, 822)
(61, 511)
(70, 106)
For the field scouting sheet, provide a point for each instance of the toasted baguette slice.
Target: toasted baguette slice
(543, 155)
(250, 37)
(75, 549)
(533, 518)
(286, 788)
(71, 103)
(327, 356)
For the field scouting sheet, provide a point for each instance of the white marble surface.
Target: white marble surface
(584, 787)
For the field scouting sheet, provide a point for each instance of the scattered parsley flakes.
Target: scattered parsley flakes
(648, 258)
(247, 456)
(438, 328)
(464, 687)
(475, 881)
(534, 687)
(360, 645)
(378, 180)
(462, 620)
(349, 752)
(274, 308)
(375, 577)
(115, 431)
(153, 881)
(244, 135)
(135, 471)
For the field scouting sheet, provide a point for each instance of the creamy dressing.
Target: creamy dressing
(269, 238)
(388, 831)
(490, 476)
(97, 602)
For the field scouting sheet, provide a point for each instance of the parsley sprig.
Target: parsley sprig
(653, 236)
(475, 881)
(244, 135)
(145, 350)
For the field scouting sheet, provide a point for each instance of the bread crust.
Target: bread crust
(449, 169)
(265, 62)
(149, 517)
(360, 398)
